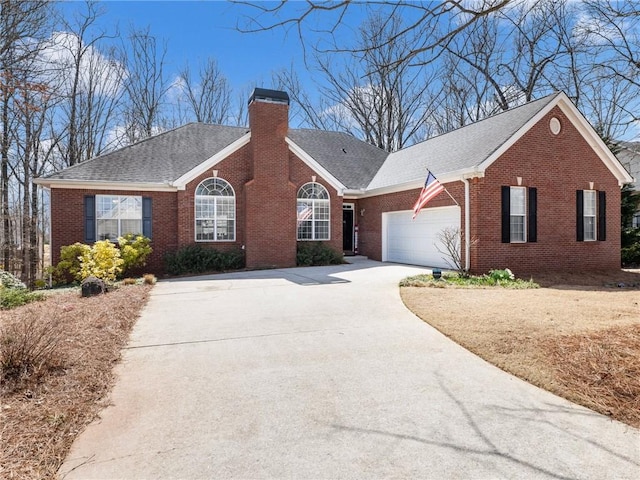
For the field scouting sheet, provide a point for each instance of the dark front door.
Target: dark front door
(347, 230)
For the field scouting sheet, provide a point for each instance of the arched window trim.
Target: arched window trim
(313, 208)
(207, 221)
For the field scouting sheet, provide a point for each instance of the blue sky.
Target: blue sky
(196, 30)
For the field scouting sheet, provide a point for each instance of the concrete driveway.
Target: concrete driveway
(323, 373)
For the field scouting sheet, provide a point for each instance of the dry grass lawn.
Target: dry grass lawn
(578, 336)
(43, 410)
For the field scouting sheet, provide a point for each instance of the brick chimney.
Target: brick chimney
(270, 197)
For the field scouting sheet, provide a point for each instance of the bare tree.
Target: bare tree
(91, 81)
(21, 25)
(429, 26)
(146, 85)
(370, 94)
(207, 96)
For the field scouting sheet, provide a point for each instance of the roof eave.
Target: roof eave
(444, 178)
(583, 127)
(51, 183)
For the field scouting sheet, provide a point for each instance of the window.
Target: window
(519, 214)
(589, 215)
(517, 220)
(313, 212)
(117, 215)
(215, 211)
(635, 223)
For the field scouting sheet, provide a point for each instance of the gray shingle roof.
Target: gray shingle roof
(460, 149)
(353, 162)
(159, 159)
(164, 158)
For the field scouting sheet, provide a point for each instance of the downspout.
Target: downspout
(467, 225)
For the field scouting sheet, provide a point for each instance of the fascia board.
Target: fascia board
(455, 176)
(583, 127)
(90, 185)
(595, 142)
(181, 182)
(316, 167)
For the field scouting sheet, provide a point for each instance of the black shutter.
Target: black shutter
(602, 216)
(89, 218)
(532, 215)
(506, 214)
(146, 216)
(579, 215)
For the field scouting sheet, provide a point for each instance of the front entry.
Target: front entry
(347, 228)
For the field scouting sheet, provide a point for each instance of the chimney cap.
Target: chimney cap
(266, 95)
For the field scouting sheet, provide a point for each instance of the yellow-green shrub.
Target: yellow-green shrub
(102, 261)
(134, 250)
(68, 268)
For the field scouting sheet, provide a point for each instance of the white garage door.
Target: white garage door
(416, 242)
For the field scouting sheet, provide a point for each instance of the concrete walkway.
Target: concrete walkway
(323, 373)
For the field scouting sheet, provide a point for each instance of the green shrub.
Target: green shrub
(15, 297)
(134, 250)
(68, 268)
(317, 253)
(630, 236)
(199, 259)
(501, 275)
(8, 280)
(631, 255)
(102, 261)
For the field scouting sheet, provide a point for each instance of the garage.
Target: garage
(415, 242)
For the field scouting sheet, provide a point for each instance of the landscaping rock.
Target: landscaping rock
(93, 286)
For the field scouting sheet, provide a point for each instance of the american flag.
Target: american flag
(432, 187)
(304, 214)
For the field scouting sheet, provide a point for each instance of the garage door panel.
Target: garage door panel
(416, 241)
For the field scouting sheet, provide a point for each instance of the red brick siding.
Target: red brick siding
(557, 166)
(300, 175)
(67, 221)
(234, 169)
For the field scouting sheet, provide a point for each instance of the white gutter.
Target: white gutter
(467, 224)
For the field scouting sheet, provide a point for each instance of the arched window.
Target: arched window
(215, 211)
(313, 212)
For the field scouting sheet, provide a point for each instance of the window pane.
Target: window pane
(304, 230)
(517, 229)
(589, 203)
(106, 206)
(517, 201)
(322, 230)
(589, 228)
(205, 230)
(130, 226)
(130, 207)
(107, 230)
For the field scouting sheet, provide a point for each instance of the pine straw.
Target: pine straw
(578, 338)
(42, 413)
(600, 370)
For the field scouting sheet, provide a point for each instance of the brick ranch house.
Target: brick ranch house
(531, 189)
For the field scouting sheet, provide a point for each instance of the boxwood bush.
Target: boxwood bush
(199, 259)
(317, 253)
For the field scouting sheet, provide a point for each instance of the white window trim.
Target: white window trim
(313, 209)
(215, 225)
(524, 216)
(118, 219)
(594, 216)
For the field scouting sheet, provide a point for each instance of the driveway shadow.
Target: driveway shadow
(304, 276)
